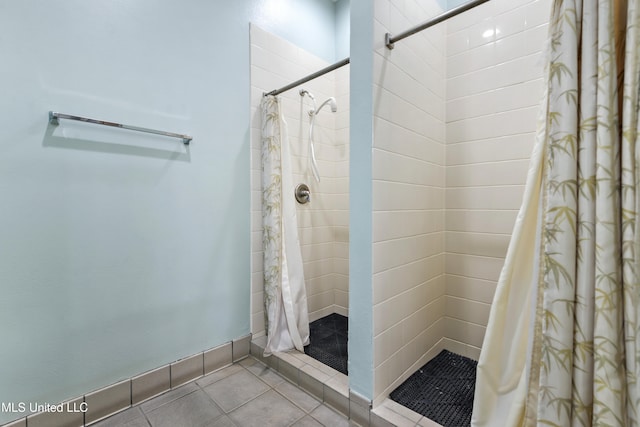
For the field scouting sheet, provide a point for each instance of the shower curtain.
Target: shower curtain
(285, 296)
(562, 346)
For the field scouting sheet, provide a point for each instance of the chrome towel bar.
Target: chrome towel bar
(54, 116)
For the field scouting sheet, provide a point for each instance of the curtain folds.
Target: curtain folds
(576, 359)
(285, 297)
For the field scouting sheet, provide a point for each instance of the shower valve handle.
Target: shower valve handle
(302, 193)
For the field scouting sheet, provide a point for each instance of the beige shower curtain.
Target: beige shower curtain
(285, 295)
(562, 346)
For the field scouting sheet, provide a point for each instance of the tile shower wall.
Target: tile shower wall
(323, 223)
(408, 193)
(494, 83)
(340, 213)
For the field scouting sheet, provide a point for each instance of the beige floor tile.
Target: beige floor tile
(236, 390)
(269, 409)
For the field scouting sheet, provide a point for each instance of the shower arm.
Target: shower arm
(304, 92)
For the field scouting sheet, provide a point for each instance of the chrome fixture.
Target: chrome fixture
(331, 101)
(313, 113)
(302, 193)
(389, 40)
(309, 77)
(54, 116)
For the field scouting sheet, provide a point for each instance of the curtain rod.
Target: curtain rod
(389, 40)
(309, 77)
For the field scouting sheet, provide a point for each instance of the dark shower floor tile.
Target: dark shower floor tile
(328, 341)
(442, 390)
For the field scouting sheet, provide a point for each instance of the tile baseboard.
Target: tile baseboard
(150, 384)
(107, 401)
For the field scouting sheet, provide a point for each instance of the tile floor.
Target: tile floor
(244, 394)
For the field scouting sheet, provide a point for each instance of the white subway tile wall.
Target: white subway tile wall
(323, 224)
(494, 85)
(455, 116)
(408, 193)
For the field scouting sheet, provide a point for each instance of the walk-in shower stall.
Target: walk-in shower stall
(323, 220)
(437, 171)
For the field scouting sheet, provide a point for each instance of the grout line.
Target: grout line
(476, 255)
(465, 98)
(440, 120)
(488, 186)
(473, 210)
(489, 282)
(482, 233)
(403, 71)
(418, 210)
(412, 262)
(440, 299)
(489, 162)
(412, 52)
(467, 118)
(408, 184)
(144, 415)
(406, 156)
(518, 58)
(466, 321)
(377, 117)
(411, 236)
(468, 300)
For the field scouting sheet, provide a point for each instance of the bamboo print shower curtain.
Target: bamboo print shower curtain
(285, 296)
(563, 342)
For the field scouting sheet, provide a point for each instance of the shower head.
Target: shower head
(332, 103)
(312, 115)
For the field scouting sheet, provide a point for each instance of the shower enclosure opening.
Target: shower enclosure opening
(329, 334)
(317, 120)
(453, 132)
